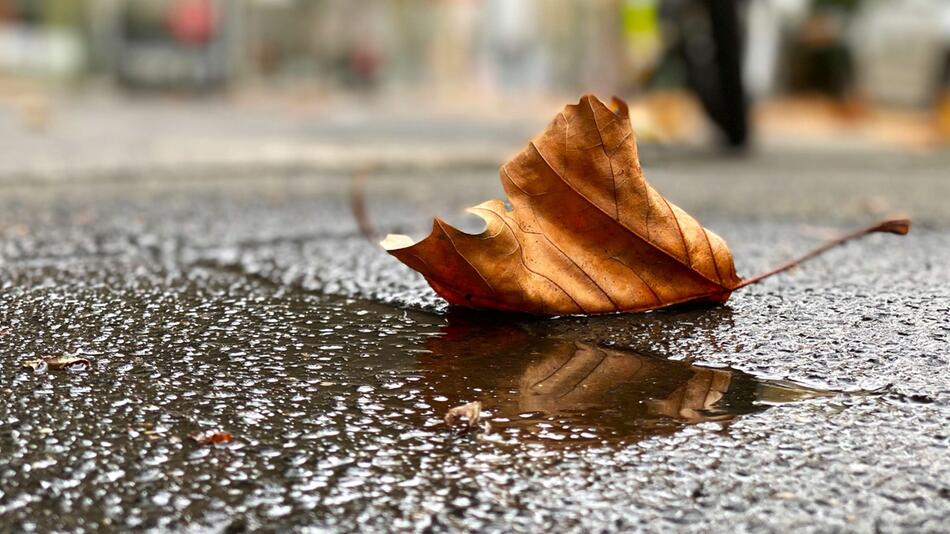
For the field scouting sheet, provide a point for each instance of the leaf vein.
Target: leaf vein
(457, 251)
(650, 243)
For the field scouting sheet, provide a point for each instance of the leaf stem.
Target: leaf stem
(358, 203)
(893, 226)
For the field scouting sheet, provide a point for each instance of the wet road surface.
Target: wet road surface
(816, 401)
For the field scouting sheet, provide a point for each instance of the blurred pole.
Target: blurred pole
(707, 34)
(730, 109)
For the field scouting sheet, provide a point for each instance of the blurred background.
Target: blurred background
(105, 85)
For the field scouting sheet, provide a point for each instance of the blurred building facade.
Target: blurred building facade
(897, 49)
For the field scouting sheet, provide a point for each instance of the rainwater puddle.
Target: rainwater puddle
(335, 405)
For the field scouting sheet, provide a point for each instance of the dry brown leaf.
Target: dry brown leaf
(208, 437)
(587, 234)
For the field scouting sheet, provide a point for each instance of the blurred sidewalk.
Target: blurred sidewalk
(446, 143)
(111, 136)
(103, 135)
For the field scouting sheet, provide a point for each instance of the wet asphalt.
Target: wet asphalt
(816, 401)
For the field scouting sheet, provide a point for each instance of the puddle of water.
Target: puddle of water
(335, 404)
(570, 388)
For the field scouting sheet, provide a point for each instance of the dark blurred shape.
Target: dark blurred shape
(706, 36)
(943, 98)
(173, 43)
(820, 58)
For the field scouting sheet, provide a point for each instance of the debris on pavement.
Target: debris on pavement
(467, 416)
(211, 437)
(56, 363)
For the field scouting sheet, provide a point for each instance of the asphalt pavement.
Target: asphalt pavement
(249, 303)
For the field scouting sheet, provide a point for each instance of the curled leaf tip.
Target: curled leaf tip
(396, 241)
(894, 226)
(619, 107)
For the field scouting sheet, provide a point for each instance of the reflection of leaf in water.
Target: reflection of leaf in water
(557, 386)
(584, 376)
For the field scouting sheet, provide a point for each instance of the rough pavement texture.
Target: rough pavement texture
(223, 304)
